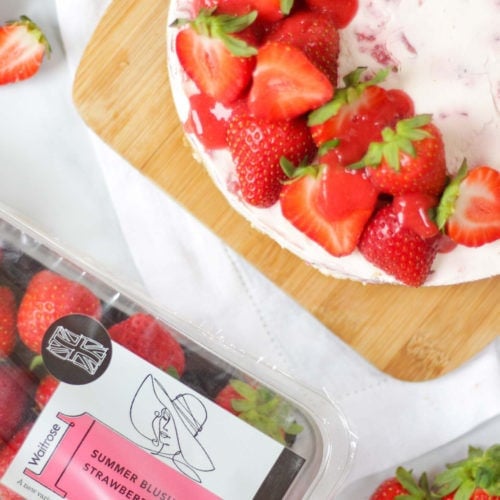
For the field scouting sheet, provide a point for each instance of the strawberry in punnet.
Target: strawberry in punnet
(45, 390)
(208, 120)
(213, 52)
(410, 158)
(257, 146)
(16, 391)
(8, 313)
(397, 249)
(316, 36)
(341, 12)
(7, 455)
(402, 486)
(329, 204)
(22, 49)
(149, 339)
(286, 84)
(469, 211)
(259, 407)
(476, 477)
(358, 113)
(48, 297)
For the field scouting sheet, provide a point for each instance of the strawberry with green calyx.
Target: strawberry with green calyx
(286, 84)
(259, 407)
(257, 145)
(328, 203)
(410, 158)
(214, 53)
(22, 49)
(469, 210)
(358, 113)
(403, 487)
(476, 477)
(316, 36)
(396, 248)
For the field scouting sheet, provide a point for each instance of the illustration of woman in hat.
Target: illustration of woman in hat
(170, 426)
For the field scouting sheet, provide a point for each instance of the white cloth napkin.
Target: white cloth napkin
(189, 270)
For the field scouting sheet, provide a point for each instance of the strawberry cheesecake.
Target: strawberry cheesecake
(359, 141)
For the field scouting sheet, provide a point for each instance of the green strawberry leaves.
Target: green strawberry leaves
(395, 141)
(481, 469)
(353, 89)
(223, 27)
(264, 410)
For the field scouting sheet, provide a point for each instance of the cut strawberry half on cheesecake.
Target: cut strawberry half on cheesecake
(469, 211)
(329, 203)
(286, 84)
(215, 55)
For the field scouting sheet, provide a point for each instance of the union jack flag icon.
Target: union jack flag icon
(83, 352)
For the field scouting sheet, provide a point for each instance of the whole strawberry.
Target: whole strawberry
(8, 312)
(16, 391)
(396, 249)
(7, 455)
(148, 338)
(410, 158)
(257, 146)
(48, 297)
(45, 390)
(259, 407)
(22, 49)
(316, 36)
(402, 485)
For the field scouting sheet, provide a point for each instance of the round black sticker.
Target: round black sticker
(76, 349)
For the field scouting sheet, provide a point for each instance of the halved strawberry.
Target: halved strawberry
(22, 49)
(316, 36)
(410, 158)
(358, 113)
(257, 145)
(396, 249)
(286, 83)
(329, 204)
(214, 56)
(469, 211)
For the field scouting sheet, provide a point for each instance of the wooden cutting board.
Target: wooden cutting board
(122, 92)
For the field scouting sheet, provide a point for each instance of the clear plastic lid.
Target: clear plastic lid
(126, 370)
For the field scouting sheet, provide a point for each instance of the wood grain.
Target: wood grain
(122, 92)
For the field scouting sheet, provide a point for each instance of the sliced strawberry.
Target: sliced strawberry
(469, 210)
(316, 36)
(208, 120)
(410, 158)
(257, 145)
(329, 205)
(397, 250)
(286, 83)
(22, 49)
(214, 56)
(341, 12)
(357, 114)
